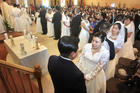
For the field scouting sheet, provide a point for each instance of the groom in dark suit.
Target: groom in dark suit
(66, 77)
(76, 24)
(57, 17)
(43, 20)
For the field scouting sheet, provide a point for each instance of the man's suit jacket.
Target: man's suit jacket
(96, 29)
(76, 26)
(43, 16)
(57, 18)
(66, 77)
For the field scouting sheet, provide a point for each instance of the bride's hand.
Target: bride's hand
(87, 77)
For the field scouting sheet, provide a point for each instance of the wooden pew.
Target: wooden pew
(19, 79)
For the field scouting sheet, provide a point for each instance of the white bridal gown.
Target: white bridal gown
(65, 30)
(17, 22)
(50, 25)
(128, 46)
(84, 35)
(111, 65)
(92, 67)
(2, 26)
(26, 22)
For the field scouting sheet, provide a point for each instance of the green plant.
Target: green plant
(8, 26)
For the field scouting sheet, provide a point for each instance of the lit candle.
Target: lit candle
(33, 41)
(6, 36)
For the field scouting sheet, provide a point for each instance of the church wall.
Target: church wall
(122, 3)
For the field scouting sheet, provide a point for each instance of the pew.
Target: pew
(19, 79)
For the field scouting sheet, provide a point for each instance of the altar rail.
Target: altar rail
(19, 79)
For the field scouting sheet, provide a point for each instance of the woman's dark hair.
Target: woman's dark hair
(105, 27)
(119, 18)
(67, 45)
(118, 24)
(128, 17)
(103, 14)
(101, 35)
(15, 5)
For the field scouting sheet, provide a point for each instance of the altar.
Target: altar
(33, 56)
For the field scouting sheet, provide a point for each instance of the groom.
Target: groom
(66, 77)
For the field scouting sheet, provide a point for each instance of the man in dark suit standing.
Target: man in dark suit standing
(76, 24)
(66, 77)
(100, 20)
(43, 20)
(57, 23)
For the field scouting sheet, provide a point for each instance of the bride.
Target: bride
(116, 37)
(91, 62)
(84, 34)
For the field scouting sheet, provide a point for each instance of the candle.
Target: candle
(24, 32)
(29, 36)
(23, 52)
(12, 41)
(6, 36)
(36, 43)
(33, 41)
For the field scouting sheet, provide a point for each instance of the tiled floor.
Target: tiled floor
(53, 50)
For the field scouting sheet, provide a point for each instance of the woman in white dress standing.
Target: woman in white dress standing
(50, 27)
(92, 60)
(16, 13)
(84, 34)
(65, 31)
(38, 23)
(118, 40)
(25, 20)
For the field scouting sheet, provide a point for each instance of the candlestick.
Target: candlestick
(29, 36)
(23, 52)
(36, 43)
(12, 41)
(24, 32)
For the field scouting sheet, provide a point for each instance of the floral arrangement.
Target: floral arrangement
(8, 26)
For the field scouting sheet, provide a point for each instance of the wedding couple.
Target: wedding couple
(88, 76)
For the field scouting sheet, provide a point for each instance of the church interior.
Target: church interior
(31, 30)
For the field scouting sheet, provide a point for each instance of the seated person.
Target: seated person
(127, 78)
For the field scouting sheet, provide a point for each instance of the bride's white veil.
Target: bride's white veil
(122, 30)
